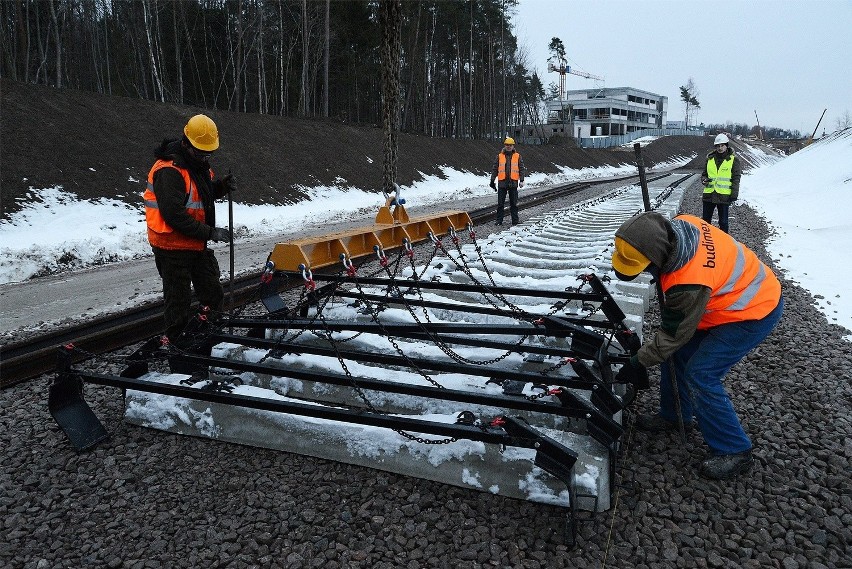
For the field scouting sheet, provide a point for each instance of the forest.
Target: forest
(462, 73)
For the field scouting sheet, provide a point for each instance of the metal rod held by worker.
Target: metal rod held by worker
(231, 250)
(646, 199)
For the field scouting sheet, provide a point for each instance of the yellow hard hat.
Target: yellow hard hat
(202, 133)
(509, 140)
(627, 260)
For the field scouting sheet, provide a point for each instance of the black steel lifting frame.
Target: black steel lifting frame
(586, 344)
(85, 431)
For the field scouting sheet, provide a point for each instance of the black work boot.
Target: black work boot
(657, 424)
(724, 466)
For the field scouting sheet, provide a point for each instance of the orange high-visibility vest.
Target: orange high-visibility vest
(160, 234)
(743, 288)
(515, 173)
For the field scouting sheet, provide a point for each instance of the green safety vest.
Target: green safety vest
(720, 178)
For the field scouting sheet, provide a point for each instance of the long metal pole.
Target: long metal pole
(231, 254)
(646, 199)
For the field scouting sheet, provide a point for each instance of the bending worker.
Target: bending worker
(720, 301)
(509, 173)
(181, 218)
(721, 181)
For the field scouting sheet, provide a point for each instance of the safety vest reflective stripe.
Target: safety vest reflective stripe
(742, 287)
(190, 204)
(515, 172)
(750, 291)
(720, 178)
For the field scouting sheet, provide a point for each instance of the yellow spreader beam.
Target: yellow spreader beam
(389, 231)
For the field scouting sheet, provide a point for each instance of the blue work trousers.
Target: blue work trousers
(700, 366)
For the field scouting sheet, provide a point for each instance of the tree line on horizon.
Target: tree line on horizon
(462, 72)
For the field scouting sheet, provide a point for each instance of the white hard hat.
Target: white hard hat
(720, 139)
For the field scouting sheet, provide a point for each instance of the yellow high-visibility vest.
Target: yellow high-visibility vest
(720, 178)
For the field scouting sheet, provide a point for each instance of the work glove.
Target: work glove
(229, 183)
(220, 234)
(633, 373)
(521, 185)
(705, 180)
(493, 185)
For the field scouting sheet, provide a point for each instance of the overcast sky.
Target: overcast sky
(786, 59)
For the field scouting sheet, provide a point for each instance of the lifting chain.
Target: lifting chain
(517, 312)
(443, 346)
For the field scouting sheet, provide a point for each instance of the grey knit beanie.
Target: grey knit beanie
(651, 234)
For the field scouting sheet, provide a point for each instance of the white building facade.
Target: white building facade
(585, 113)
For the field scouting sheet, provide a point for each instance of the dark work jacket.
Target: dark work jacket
(508, 182)
(736, 174)
(171, 192)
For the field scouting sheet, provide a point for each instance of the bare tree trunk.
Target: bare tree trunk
(193, 60)
(503, 111)
(57, 41)
(470, 76)
(178, 63)
(155, 74)
(326, 56)
(159, 51)
(406, 121)
(238, 60)
(106, 49)
(262, 95)
(460, 113)
(303, 86)
(281, 78)
(42, 49)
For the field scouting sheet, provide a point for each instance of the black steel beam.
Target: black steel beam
(435, 331)
(588, 382)
(571, 406)
(67, 395)
(403, 284)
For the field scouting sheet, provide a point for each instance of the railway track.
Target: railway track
(29, 358)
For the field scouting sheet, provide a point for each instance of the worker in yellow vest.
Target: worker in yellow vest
(509, 172)
(181, 218)
(721, 181)
(720, 301)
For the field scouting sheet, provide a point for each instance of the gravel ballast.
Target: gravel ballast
(146, 498)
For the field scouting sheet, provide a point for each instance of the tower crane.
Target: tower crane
(564, 69)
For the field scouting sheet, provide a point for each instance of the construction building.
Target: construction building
(607, 112)
(598, 112)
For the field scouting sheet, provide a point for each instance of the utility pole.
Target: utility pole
(759, 131)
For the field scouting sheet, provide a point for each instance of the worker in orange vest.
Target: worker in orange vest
(509, 172)
(720, 301)
(181, 218)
